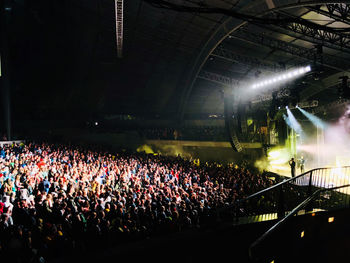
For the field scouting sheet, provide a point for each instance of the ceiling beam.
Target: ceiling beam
(229, 55)
(295, 50)
(314, 34)
(342, 9)
(217, 78)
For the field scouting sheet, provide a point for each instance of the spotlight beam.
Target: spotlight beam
(294, 123)
(286, 119)
(315, 120)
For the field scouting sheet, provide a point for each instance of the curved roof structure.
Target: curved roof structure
(175, 63)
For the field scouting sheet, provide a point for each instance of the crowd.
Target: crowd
(55, 198)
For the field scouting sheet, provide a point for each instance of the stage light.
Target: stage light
(314, 119)
(284, 76)
(330, 219)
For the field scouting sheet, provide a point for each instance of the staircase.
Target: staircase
(308, 214)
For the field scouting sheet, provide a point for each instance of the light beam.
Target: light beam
(315, 120)
(294, 123)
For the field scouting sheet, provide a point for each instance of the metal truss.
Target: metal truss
(305, 104)
(312, 33)
(332, 105)
(342, 9)
(221, 52)
(338, 12)
(283, 93)
(307, 54)
(217, 78)
(119, 26)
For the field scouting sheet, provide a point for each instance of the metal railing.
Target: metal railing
(283, 197)
(326, 199)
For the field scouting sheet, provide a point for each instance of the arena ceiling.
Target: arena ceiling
(176, 63)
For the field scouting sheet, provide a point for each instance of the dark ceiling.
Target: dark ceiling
(64, 64)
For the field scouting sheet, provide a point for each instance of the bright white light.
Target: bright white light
(96, 123)
(285, 76)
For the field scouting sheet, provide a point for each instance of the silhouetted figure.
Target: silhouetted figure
(292, 166)
(302, 164)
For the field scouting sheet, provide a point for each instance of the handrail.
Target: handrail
(286, 181)
(238, 202)
(293, 212)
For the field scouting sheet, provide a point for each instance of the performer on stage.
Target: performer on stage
(302, 164)
(292, 166)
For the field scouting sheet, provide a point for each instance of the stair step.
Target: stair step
(270, 216)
